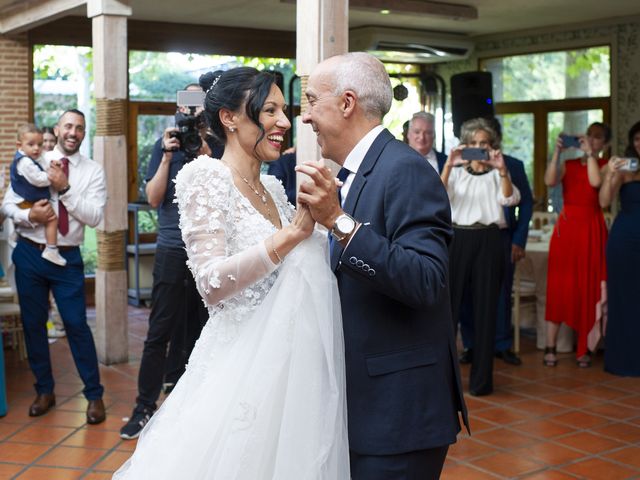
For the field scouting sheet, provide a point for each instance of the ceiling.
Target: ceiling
(494, 16)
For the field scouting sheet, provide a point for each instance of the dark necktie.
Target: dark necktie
(342, 176)
(63, 215)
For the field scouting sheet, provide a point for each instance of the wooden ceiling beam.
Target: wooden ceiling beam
(27, 14)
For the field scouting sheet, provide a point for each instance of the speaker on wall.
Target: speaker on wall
(471, 97)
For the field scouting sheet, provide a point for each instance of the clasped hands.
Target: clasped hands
(318, 194)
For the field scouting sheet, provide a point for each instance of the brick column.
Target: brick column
(14, 96)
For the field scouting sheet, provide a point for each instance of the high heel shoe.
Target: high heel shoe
(584, 361)
(549, 359)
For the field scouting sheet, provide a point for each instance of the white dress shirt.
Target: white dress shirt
(478, 198)
(432, 159)
(84, 201)
(31, 172)
(355, 158)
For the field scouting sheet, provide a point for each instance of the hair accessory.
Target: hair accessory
(215, 80)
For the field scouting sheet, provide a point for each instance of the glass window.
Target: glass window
(518, 140)
(579, 73)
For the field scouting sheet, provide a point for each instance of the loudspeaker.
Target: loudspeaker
(471, 97)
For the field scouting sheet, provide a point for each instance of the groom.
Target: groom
(390, 255)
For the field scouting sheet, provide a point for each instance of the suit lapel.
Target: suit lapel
(358, 184)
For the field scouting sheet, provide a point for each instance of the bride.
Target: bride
(263, 395)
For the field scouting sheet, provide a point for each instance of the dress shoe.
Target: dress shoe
(509, 357)
(481, 392)
(42, 404)
(95, 412)
(466, 356)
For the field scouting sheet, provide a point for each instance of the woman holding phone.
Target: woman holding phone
(623, 260)
(479, 186)
(577, 269)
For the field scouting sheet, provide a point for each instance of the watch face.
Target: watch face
(345, 224)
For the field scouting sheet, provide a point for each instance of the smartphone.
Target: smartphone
(631, 165)
(475, 154)
(190, 98)
(570, 141)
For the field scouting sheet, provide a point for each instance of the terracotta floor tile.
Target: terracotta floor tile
(620, 431)
(629, 456)
(21, 452)
(42, 434)
(8, 470)
(468, 448)
(98, 476)
(91, 438)
(566, 383)
(500, 416)
(504, 438)
(549, 475)
(130, 445)
(506, 396)
(477, 425)
(572, 400)
(465, 472)
(61, 418)
(579, 419)
(41, 473)
(589, 442)
(7, 429)
(629, 384)
(549, 453)
(613, 411)
(113, 461)
(542, 428)
(475, 403)
(629, 401)
(602, 391)
(74, 457)
(598, 469)
(537, 407)
(508, 464)
(537, 390)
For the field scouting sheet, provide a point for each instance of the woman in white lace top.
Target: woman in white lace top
(263, 393)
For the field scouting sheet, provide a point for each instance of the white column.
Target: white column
(322, 28)
(110, 62)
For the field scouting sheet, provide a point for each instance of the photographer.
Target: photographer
(479, 186)
(177, 313)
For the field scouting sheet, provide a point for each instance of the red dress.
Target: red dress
(577, 263)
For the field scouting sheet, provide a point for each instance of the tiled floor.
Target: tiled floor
(541, 423)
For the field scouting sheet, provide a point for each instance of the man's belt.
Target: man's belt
(42, 246)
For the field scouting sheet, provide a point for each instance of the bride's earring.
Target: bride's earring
(232, 129)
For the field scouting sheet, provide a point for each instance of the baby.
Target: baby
(29, 181)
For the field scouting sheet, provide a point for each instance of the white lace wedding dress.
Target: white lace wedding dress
(263, 395)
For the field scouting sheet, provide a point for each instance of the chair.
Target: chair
(12, 325)
(542, 219)
(523, 294)
(10, 319)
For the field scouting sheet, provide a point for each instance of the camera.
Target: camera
(189, 124)
(475, 154)
(630, 165)
(570, 141)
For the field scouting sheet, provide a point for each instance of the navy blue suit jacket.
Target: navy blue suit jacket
(284, 170)
(403, 383)
(519, 226)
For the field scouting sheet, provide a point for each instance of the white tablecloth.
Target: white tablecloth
(534, 268)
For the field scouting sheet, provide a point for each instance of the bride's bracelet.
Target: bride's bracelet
(275, 252)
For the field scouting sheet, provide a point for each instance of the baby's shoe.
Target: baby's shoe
(53, 255)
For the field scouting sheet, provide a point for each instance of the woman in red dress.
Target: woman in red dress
(577, 265)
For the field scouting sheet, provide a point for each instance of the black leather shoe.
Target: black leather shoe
(481, 393)
(42, 404)
(95, 412)
(509, 357)
(466, 357)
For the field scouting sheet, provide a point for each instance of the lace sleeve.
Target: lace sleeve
(203, 193)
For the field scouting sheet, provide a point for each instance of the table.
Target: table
(534, 268)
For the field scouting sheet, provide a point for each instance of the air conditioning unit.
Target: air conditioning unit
(409, 46)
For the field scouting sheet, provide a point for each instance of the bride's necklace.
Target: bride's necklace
(262, 196)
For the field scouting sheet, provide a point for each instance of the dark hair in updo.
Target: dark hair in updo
(233, 88)
(631, 149)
